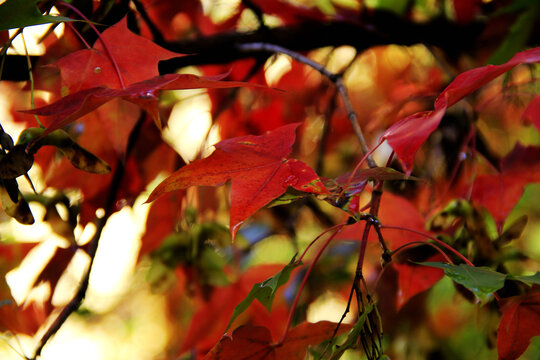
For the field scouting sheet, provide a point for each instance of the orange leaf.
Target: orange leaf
(257, 167)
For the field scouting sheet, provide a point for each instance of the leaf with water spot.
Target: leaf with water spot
(257, 167)
(527, 279)
(482, 281)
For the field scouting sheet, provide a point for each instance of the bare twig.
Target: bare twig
(92, 246)
(103, 42)
(319, 167)
(304, 281)
(335, 78)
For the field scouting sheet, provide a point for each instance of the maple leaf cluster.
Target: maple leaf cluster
(407, 151)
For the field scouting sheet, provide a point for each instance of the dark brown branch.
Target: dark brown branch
(382, 29)
(377, 29)
(335, 78)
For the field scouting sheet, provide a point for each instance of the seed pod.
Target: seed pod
(15, 163)
(19, 210)
(6, 141)
(76, 154)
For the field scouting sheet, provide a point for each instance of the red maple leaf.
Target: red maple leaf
(136, 59)
(407, 135)
(255, 342)
(257, 167)
(500, 192)
(413, 279)
(519, 323)
(394, 211)
(211, 316)
(74, 106)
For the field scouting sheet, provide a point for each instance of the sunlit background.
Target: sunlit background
(123, 318)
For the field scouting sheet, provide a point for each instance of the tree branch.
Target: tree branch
(378, 28)
(335, 78)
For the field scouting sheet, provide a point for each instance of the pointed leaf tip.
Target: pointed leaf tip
(257, 168)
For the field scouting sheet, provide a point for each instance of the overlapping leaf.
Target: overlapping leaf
(482, 281)
(413, 279)
(74, 106)
(120, 65)
(519, 323)
(212, 314)
(257, 167)
(256, 343)
(21, 13)
(265, 291)
(136, 59)
(407, 135)
(500, 192)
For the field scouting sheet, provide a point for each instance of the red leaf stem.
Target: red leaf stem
(303, 284)
(105, 46)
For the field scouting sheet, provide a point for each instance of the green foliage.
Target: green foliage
(20, 13)
(265, 291)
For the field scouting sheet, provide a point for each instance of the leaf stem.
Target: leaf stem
(304, 281)
(31, 77)
(412, 243)
(442, 243)
(79, 35)
(317, 238)
(105, 46)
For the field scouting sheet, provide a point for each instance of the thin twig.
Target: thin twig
(105, 46)
(303, 284)
(92, 246)
(317, 238)
(319, 167)
(335, 78)
(31, 77)
(442, 243)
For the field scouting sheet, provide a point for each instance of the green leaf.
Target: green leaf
(290, 196)
(527, 279)
(517, 37)
(20, 13)
(265, 291)
(513, 231)
(354, 334)
(482, 281)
